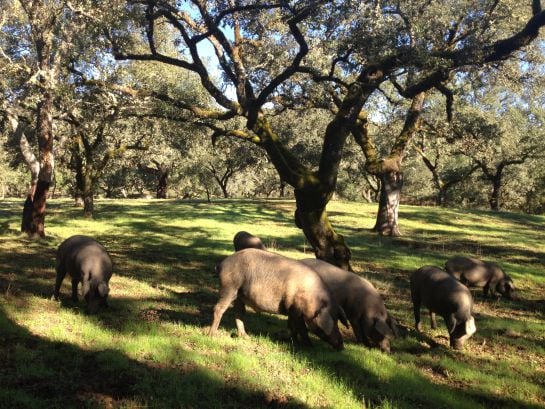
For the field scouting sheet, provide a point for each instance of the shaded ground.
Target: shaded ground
(148, 349)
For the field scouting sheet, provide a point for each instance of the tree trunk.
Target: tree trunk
(495, 195)
(282, 188)
(441, 196)
(79, 188)
(44, 130)
(26, 221)
(88, 205)
(223, 186)
(162, 183)
(311, 217)
(390, 194)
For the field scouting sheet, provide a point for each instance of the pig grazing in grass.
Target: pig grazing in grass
(88, 262)
(478, 273)
(272, 283)
(361, 302)
(443, 294)
(245, 240)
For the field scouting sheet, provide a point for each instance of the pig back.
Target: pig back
(244, 240)
(270, 282)
(469, 270)
(84, 255)
(334, 277)
(441, 293)
(355, 294)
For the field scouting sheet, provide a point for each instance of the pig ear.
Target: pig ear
(325, 322)
(393, 325)
(342, 317)
(382, 328)
(324, 318)
(471, 328)
(103, 289)
(451, 323)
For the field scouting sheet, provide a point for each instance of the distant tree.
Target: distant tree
(494, 144)
(446, 165)
(36, 44)
(161, 172)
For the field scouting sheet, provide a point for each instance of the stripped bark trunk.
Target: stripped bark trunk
(389, 170)
(388, 211)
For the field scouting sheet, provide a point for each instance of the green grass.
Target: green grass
(150, 349)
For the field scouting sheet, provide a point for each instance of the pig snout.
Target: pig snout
(381, 333)
(384, 345)
(96, 298)
(507, 289)
(334, 339)
(456, 343)
(462, 333)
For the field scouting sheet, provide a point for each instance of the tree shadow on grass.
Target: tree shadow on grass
(377, 379)
(403, 387)
(111, 376)
(39, 373)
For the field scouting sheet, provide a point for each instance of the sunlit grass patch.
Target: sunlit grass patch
(151, 349)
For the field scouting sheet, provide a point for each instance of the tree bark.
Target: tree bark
(388, 209)
(494, 199)
(88, 205)
(388, 170)
(223, 187)
(311, 217)
(313, 190)
(79, 188)
(282, 191)
(44, 130)
(26, 221)
(441, 196)
(162, 182)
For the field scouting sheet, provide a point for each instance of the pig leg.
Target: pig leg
(227, 296)
(75, 282)
(492, 286)
(358, 332)
(486, 289)
(416, 309)
(433, 321)
(296, 324)
(61, 273)
(240, 311)
(367, 326)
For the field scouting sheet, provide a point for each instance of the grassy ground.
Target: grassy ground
(149, 349)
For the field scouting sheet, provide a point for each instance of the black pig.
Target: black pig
(276, 284)
(443, 294)
(245, 240)
(478, 273)
(88, 262)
